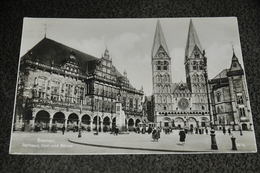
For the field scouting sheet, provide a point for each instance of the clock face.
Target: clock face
(182, 87)
(161, 55)
(183, 103)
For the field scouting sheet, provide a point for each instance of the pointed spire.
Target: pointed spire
(192, 41)
(234, 58)
(159, 40)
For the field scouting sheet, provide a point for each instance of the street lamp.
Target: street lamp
(212, 131)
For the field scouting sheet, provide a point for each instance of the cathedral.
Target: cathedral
(197, 102)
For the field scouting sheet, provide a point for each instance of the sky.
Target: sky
(130, 41)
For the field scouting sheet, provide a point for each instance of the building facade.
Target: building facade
(179, 104)
(196, 102)
(230, 99)
(61, 86)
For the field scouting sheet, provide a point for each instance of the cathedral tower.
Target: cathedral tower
(161, 71)
(194, 67)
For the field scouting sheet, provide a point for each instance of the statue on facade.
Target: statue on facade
(118, 97)
(62, 96)
(48, 93)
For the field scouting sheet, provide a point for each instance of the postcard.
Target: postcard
(131, 86)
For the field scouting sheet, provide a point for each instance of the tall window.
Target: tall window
(131, 103)
(79, 93)
(218, 96)
(41, 87)
(55, 88)
(242, 112)
(240, 99)
(68, 92)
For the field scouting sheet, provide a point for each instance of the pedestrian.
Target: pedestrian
(156, 134)
(182, 135)
(63, 130)
(224, 130)
(191, 130)
(196, 130)
(229, 131)
(116, 131)
(206, 130)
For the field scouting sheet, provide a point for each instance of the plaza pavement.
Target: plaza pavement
(132, 143)
(169, 142)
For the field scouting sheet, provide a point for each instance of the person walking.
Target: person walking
(224, 130)
(116, 130)
(155, 134)
(206, 130)
(182, 135)
(229, 131)
(63, 130)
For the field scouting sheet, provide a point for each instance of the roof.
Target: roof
(159, 40)
(192, 41)
(222, 74)
(50, 52)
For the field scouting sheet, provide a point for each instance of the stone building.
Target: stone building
(61, 86)
(179, 104)
(195, 103)
(230, 99)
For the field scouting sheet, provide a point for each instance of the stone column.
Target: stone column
(66, 123)
(101, 124)
(50, 124)
(91, 125)
(33, 119)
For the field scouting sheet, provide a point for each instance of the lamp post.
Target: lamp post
(212, 131)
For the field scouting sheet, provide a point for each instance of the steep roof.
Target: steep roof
(192, 41)
(159, 40)
(50, 52)
(222, 74)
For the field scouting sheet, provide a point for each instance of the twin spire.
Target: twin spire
(192, 40)
(159, 40)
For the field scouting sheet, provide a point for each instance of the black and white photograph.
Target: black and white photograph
(131, 86)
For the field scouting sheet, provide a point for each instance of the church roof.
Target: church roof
(159, 40)
(222, 74)
(192, 41)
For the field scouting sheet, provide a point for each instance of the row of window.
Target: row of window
(163, 78)
(162, 65)
(163, 88)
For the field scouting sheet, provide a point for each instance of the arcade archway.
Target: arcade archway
(106, 124)
(179, 122)
(72, 123)
(85, 122)
(97, 123)
(42, 119)
(136, 122)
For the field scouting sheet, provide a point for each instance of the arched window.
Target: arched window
(159, 99)
(158, 78)
(194, 77)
